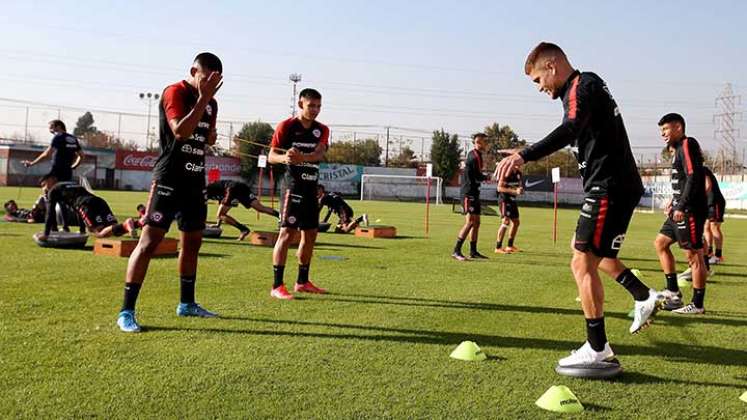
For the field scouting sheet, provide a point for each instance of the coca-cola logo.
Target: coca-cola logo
(137, 161)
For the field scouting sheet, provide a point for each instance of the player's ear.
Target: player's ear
(193, 71)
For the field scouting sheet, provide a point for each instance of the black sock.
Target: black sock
(131, 290)
(672, 282)
(187, 289)
(458, 246)
(473, 247)
(698, 297)
(277, 271)
(595, 333)
(510, 241)
(499, 244)
(359, 220)
(718, 252)
(634, 285)
(707, 263)
(241, 227)
(303, 274)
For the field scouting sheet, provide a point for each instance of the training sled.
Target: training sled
(600, 370)
(124, 247)
(263, 238)
(212, 232)
(376, 232)
(62, 240)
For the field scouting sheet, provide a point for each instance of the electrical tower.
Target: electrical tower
(294, 78)
(726, 131)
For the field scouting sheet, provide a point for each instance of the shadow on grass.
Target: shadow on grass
(339, 245)
(450, 304)
(639, 378)
(668, 351)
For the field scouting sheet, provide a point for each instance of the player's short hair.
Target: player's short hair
(209, 61)
(140, 207)
(672, 117)
(8, 203)
(58, 124)
(542, 49)
(310, 93)
(479, 136)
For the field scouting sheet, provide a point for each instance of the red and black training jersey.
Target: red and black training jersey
(66, 194)
(292, 133)
(593, 127)
(688, 177)
(714, 194)
(473, 175)
(182, 163)
(335, 202)
(512, 181)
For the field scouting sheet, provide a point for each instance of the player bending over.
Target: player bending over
(335, 203)
(230, 194)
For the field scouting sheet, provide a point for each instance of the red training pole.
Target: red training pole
(427, 207)
(259, 188)
(555, 211)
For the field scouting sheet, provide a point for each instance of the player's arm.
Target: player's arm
(213, 133)
(79, 156)
(693, 164)
(183, 123)
(261, 208)
(277, 155)
(329, 214)
(43, 155)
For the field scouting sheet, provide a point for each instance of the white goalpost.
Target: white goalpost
(401, 188)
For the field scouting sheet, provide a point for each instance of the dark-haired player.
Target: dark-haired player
(471, 205)
(94, 213)
(65, 151)
(37, 213)
(716, 206)
(300, 143)
(230, 194)
(686, 216)
(593, 127)
(508, 189)
(336, 204)
(188, 115)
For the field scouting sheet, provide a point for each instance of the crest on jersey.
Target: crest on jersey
(157, 216)
(317, 132)
(292, 220)
(209, 110)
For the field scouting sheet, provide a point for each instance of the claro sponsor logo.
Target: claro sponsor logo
(192, 167)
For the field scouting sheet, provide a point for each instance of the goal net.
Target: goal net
(401, 188)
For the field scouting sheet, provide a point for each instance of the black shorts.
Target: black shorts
(509, 207)
(188, 206)
(300, 210)
(688, 233)
(716, 212)
(96, 213)
(61, 174)
(603, 223)
(238, 195)
(471, 205)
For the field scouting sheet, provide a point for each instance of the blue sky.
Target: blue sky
(415, 65)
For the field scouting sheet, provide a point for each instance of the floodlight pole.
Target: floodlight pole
(150, 97)
(295, 78)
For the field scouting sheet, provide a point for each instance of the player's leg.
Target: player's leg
(515, 223)
(467, 208)
(663, 246)
(289, 227)
(474, 235)
(718, 242)
(691, 241)
(223, 217)
(305, 252)
(708, 238)
(504, 227)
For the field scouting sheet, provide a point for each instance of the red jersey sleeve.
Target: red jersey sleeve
(278, 137)
(324, 139)
(174, 99)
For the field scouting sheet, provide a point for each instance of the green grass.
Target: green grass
(377, 347)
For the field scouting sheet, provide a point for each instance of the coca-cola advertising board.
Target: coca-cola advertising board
(145, 161)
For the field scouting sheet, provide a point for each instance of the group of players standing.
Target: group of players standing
(593, 127)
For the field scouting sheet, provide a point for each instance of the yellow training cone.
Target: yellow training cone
(468, 351)
(744, 397)
(559, 399)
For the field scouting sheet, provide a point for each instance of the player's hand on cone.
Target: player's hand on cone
(208, 86)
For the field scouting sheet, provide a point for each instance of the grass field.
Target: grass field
(376, 347)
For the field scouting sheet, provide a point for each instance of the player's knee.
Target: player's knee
(660, 244)
(516, 222)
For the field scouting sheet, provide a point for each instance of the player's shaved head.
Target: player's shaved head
(543, 51)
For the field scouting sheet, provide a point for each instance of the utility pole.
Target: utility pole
(26, 126)
(386, 156)
(725, 120)
(150, 97)
(295, 78)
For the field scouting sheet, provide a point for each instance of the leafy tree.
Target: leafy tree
(500, 138)
(258, 132)
(84, 127)
(445, 155)
(366, 153)
(405, 159)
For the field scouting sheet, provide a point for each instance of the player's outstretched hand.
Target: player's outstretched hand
(508, 165)
(26, 163)
(207, 87)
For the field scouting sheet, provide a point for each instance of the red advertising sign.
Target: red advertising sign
(145, 161)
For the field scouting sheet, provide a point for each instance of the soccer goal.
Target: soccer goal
(654, 203)
(401, 188)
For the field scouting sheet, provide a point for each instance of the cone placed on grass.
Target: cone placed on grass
(468, 351)
(744, 397)
(560, 399)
